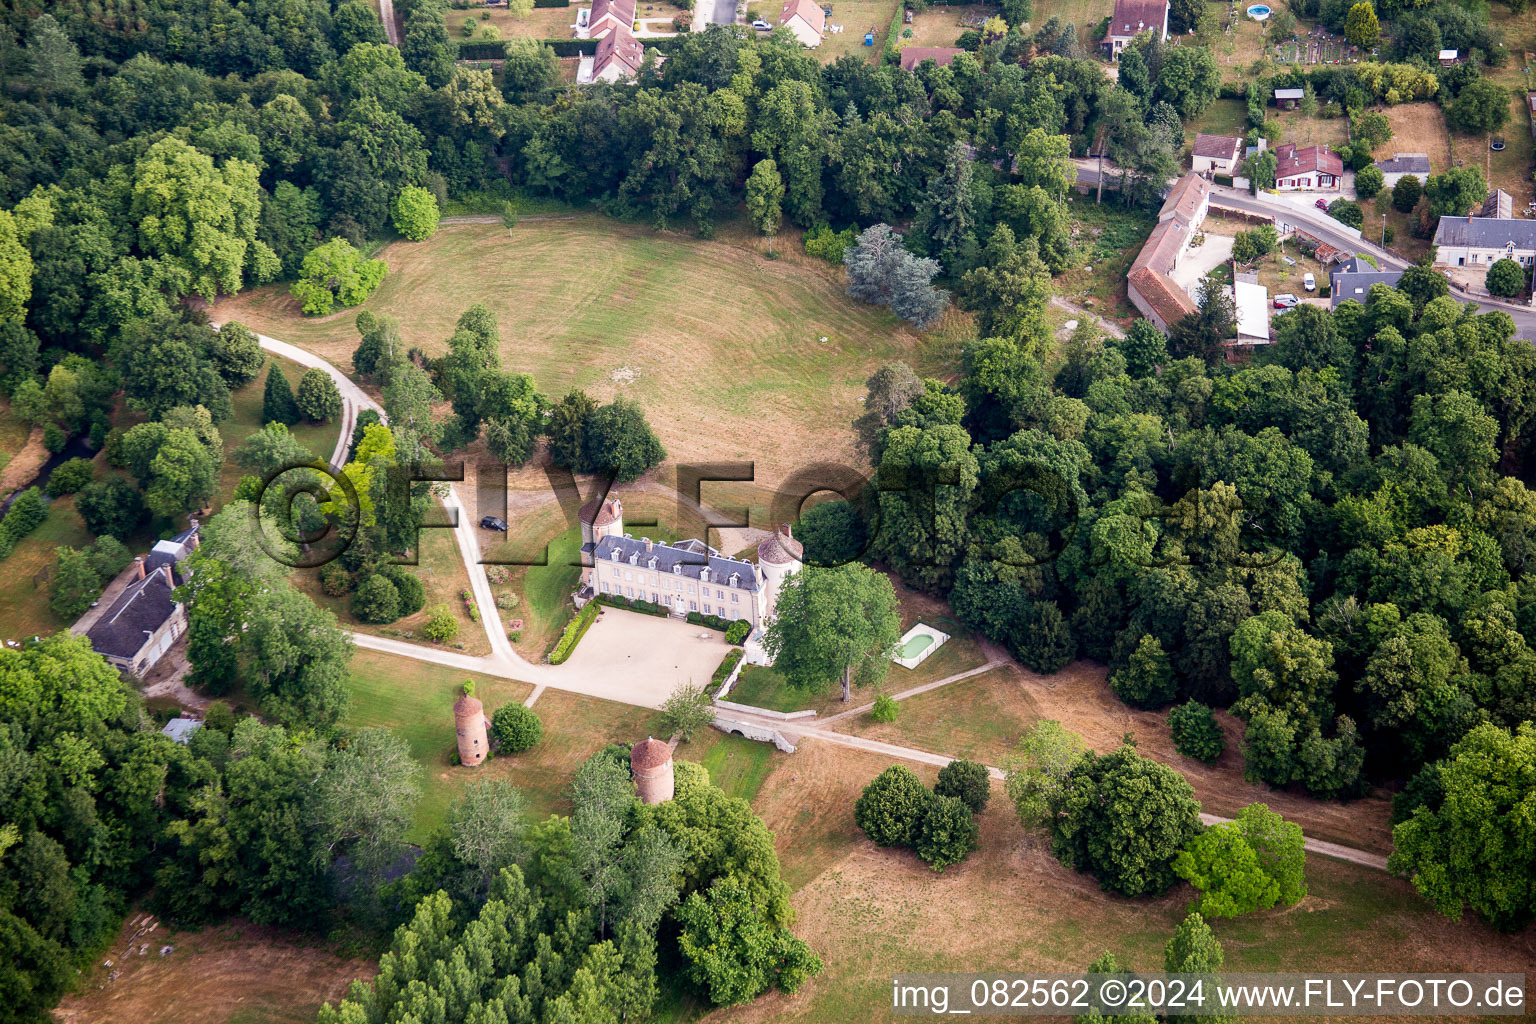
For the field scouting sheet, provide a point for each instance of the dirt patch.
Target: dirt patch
(168, 679)
(25, 463)
(235, 972)
(1418, 128)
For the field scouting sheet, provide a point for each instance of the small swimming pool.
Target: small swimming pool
(916, 645)
(1258, 12)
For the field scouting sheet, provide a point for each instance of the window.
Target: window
(735, 599)
(629, 591)
(655, 597)
(720, 594)
(693, 606)
(707, 609)
(605, 588)
(615, 572)
(628, 575)
(677, 568)
(692, 589)
(614, 554)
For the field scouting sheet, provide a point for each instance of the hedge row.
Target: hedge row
(574, 630)
(712, 621)
(496, 49)
(728, 665)
(633, 604)
(483, 49)
(551, 3)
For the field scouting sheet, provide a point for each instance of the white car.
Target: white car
(1309, 282)
(1285, 300)
(761, 25)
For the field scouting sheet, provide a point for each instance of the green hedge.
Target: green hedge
(1222, 179)
(483, 49)
(728, 665)
(633, 604)
(574, 631)
(551, 3)
(716, 622)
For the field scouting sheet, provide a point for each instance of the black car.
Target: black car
(492, 523)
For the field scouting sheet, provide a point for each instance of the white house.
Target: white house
(1474, 241)
(805, 20)
(1133, 17)
(1216, 154)
(1313, 168)
(1402, 164)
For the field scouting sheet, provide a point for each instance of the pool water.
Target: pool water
(917, 645)
(1259, 12)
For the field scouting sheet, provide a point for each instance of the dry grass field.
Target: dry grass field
(539, 23)
(733, 356)
(941, 26)
(870, 912)
(24, 606)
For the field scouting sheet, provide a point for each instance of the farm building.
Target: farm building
(1133, 17)
(1316, 167)
(1474, 241)
(1188, 201)
(1251, 301)
(1148, 285)
(1288, 99)
(912, 56)
(805, 20)
(1401, 165)
(1353, 280)
(1216, 154)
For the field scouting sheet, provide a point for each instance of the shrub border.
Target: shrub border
(574, 631)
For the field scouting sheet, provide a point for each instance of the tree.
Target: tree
(487, 827)
(947, 834)
(1195, 732)
(1147, 680)
(968, 781)
(1506, 279)
(1253, 243)
(1455, 192)
(376, 601)
(366, 797)
(881, 272)
(687, 709)
(732, 953)
(1369, 181)
(1481, 107)
(1252, 863)
(1346, 212)
(336, 273)
(270, 449)
(70, 476)
(765, 197)
(891, 809)
(838, 623)
(1202, 333)
(1144, 347)
(111, 507)
(1037, 770)
(318, 398)
(1124, 818)
(1043, 641)
(73, 586)
(182, 475)
(441, 625)
(566, 428)
(516, 728)
(1361, 27)
(1473, 847)
(236, 354)
(277, 403)
(616, 439)
(1406, 193)
(15, 271)
(1261, 170)
(1194, 949)
(1188, 79)
(415, 214)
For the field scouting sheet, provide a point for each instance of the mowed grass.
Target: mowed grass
(722, 347)
(539, 23)
(981, 718)
(318, 438)
(24, 602)
(941, 26)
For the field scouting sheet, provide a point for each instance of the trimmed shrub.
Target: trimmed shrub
(516, 728)
(892, 807)
(441, 626)
(967, 781)
(318, 398)
(886, 709)
(1505, 278)
(737, 632)
(633, 604)
(413, 596)
(574, 631)
(948, 832)
(1195, 732)
(727, 666)
(712, 621)
(334, 579)
(70, 476)
(376, 601)
(1369, 182)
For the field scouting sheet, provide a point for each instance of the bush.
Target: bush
(736, 632)
(727, 666)
(574, 630)
(334, 579)
(1253, 243)
(1195, 732)
(892, 807)
(1506, 279)
(1346, 212)
(886, 709)
(414, 211)
(516, 728)
(70, 476)
(825, 244)
(413, 596)
(1406, 193)
(441, 625)
(26, 514)
(376, 601)
(947, 834)
(1369, 182)
(967, 781)
(54, 439)
(317, 398)
(698, 619)
(1147, 679)
(634, 604)
(506, 600)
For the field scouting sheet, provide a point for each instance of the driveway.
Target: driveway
(1200, 261)
(713, 12)
(641, 659)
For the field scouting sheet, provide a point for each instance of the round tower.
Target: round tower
(651, 764)
(469, 724)
(601, 518)
(777, 557)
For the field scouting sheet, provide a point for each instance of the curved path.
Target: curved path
(508, 664)
(387, 16)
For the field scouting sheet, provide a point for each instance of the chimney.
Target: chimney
(138, 567)
(784, 529)
(648, 544)
(196, 538)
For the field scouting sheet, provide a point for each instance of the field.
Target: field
(318, 438)
(722, 347)
(24, 608)
(941, 26)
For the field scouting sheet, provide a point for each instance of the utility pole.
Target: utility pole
(1100, 197)
(1383, 230)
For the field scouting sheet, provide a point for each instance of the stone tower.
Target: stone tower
(651, 764)
(777, 557)
(601, 518)
(469, 723)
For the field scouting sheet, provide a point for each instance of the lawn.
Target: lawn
(544, 593)
(941, 26)
(318, 438)
(24, 608)
(539, 23)
(980, 718)
(855, 16)
(1112, 236)
(722, 347)
(1223, 117)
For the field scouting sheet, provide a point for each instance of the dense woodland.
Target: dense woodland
(1333, 541)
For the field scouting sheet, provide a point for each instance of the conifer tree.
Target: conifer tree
(277, 404)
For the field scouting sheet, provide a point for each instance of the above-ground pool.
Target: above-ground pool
(917, 643)
(1258, 12)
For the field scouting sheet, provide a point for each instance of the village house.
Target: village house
(1354, 279)
(1316, 167)
(1479, 241)
(1216, 154)
(912, 56)
(1133, 17)
(1401, 165)
(143, 620)
(805, 20)
(606, 16)
(619, 56)
(1148, 285)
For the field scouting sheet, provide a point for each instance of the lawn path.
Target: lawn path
(904, 694)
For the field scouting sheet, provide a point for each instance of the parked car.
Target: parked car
(1321, 204)
(761, 25)
(1285, 300)
(1309, 282)
(493, 523)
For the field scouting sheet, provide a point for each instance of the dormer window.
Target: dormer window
(616, 555)
(704, 574)
(650, 563)
(677, 568)
(634, 559)
(735, 579)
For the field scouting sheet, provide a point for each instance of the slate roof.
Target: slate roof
(140, 609)
(688, 558)
(1347, 284)
(912, 56)
(1405, 163)
(1217, 147)
(1486, 232)
(1133, 16)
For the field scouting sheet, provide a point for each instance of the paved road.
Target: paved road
(387, 16)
